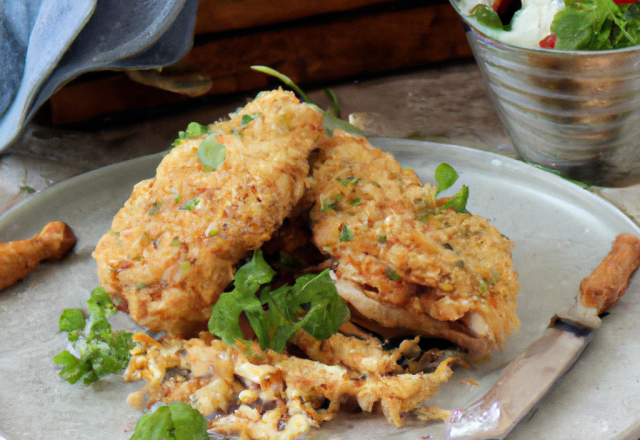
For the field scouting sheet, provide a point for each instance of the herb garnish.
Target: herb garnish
(346, 182)
(329, 122)
(596, 25)
(445, 177)
(102, 350)
(211, 153)
(276, 315)
(246, 119)
(191, 204)
(193, 130)
(392, 274)
(175, 421)
(346, 234)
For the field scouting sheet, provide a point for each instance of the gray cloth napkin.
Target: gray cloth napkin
(46, 43)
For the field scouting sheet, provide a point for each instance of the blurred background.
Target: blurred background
(400, 68)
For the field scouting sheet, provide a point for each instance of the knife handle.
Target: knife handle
(520, 387)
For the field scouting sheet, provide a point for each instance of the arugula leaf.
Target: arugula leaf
(329, 122)
(211, 153)
(445, 177)
(284, 78)
(226, 312)
(596, 25)
(334, 105)
(277, 314)
(459, 201)
(176, 421)
(281, 319)
(102, 351)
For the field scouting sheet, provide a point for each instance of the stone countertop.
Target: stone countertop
(447, 103)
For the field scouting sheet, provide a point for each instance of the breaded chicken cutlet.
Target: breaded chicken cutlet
(402, 264)
(172, 248)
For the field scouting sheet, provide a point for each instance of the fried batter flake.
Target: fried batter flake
(276, 396)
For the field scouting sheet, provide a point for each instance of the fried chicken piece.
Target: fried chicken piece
(18, 258)
(608, 281)
(172, 249)
(401, 262)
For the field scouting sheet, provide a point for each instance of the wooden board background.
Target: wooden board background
(312, 41)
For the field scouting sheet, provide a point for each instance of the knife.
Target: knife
(530, 376)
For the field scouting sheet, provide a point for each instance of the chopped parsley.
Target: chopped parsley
(382, 239)
(191, 204)
(155, 208)
(27, 189)
(392, 274)
(246, 119)
(356, 201)
(346, 234)
(346, 182)
(100, 349)
(331, 203)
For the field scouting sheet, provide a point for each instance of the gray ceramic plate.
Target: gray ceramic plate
(561, 232)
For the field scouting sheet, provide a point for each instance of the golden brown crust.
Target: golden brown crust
(170, 264)
(608, 281)
(439, 269)
(19, 258)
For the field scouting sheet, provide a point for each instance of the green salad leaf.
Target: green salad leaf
(596, 25)
(311, 303)
(176, 421)
(101, 350)
(211, 153)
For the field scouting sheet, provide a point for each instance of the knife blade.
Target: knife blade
(531, 375)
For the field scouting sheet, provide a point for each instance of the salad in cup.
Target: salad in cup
(556, 24)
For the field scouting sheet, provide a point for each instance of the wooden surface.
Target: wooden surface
(224, 15)
(345, 47)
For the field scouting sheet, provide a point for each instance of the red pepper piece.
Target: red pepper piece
(549, 42)
(624, 2)
(502, 6)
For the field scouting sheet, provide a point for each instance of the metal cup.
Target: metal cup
(577, 112)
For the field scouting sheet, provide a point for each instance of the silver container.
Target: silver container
(577, 112)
